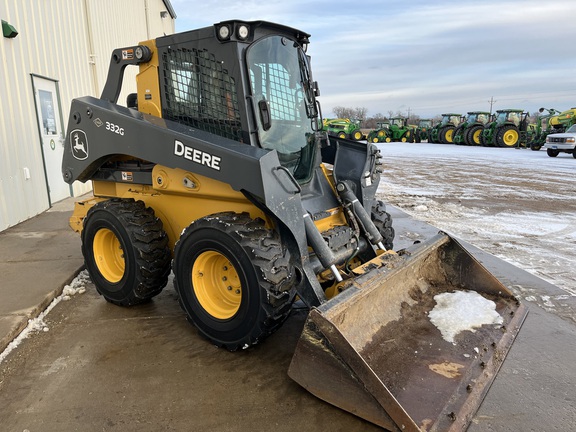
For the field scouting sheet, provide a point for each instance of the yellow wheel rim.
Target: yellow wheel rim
(341, 136)
(375, 139)
(109, 255)
(216, 285)
(476, 136)
(510, 138)
(450, 135)
(381, 133)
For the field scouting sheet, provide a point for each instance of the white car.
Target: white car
(561, 142)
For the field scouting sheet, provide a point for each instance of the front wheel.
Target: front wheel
(234, 279)
(342, 135)
(357, 135)
(552, 152)
(126, 251)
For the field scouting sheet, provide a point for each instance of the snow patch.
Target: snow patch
(77, 286)
(462, 310)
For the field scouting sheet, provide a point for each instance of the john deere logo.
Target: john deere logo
(79, 144)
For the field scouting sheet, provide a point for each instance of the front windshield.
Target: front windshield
(455, 120)
(501, 118)
(572, 128)
(472, 118)
(284, 101)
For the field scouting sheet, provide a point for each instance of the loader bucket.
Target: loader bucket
(373, 350)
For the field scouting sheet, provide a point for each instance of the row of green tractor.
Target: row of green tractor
(505, 128)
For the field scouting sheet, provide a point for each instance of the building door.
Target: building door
(51, 135)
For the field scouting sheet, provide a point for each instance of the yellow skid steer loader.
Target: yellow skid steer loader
(217, 170)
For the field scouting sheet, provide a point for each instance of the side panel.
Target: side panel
(99, 131)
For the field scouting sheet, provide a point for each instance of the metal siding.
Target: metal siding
(53, 42)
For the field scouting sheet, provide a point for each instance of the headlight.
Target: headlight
(547, 139)
(242, 32)
(224, 32)
(571, 140)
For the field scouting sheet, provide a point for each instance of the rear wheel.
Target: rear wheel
(507, 136)
(383, 222)
(126, 251)
(235, 280)
(474, 135)
(446, 135)
(552, 152)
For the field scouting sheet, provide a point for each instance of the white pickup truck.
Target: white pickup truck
(561, 142)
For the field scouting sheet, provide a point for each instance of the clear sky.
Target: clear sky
(423, 57)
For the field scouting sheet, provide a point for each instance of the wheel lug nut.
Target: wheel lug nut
(229, 288)
(224, 278)
(237, 291)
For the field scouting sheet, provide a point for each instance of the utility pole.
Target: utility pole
(492, 102)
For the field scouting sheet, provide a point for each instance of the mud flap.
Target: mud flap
(373, 351)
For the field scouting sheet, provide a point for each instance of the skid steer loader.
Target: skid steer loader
(217, 170)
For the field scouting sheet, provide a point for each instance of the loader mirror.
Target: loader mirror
(265, 118)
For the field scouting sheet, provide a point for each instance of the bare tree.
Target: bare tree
(358, 113)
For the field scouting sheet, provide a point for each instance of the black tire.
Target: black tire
(552, 152)
(234, 278)
(383, 222)
(342, 135)
(418, 137)
(474, 135)
(507, 136)
(357, 135)
(406, 136)
(126, 251)
(446, 135)
(535, 147)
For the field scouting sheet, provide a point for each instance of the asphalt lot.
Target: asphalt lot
(104, 368)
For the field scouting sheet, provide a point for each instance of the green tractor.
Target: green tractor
(343, 128)
(422, 131)
(443, 132)
(381, 133)
(469, 132)
(545, 124)
(401, 130)
(509, 129)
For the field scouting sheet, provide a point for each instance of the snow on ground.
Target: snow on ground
(516, 204)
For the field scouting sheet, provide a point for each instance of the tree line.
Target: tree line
(369, 122)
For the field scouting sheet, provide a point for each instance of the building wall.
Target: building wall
(69, 41)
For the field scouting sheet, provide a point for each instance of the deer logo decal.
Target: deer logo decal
(79, 144)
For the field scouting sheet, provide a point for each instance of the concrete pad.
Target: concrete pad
(102, 367)
(37, 259)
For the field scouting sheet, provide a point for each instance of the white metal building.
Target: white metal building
(52, 51)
